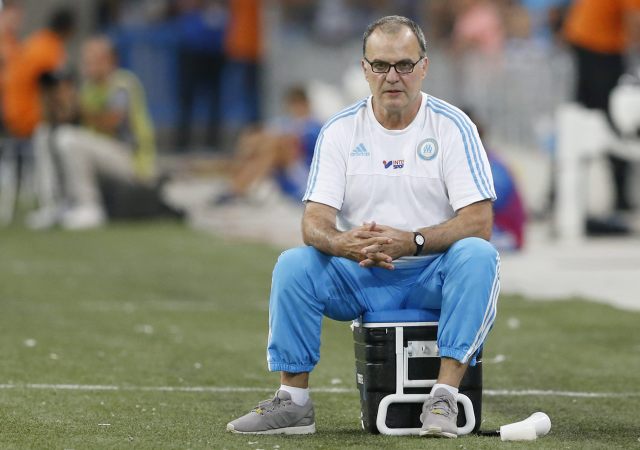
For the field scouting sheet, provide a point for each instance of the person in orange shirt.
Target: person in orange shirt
(243, 46)
(600, 33)
(41, 53)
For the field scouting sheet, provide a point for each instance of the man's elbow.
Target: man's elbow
(305, 237)
(306, 234)
(485, 231)
(485, 226)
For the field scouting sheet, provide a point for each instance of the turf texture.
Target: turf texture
(105, 333)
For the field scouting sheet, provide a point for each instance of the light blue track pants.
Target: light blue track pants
(463, 283)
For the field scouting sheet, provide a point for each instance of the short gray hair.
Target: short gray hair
(392, 24)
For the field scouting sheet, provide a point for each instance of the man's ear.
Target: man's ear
(424, 66)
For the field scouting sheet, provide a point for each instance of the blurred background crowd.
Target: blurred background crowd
(197, 80)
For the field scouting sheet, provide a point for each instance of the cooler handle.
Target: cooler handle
(420, 398)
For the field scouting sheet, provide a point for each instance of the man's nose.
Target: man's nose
(392, 75)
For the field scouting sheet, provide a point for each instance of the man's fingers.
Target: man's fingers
(371, 263)
(376, 244)
(366, 263)
(379, 257)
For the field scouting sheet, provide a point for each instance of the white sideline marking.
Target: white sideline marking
(548, 393)
(329, 390)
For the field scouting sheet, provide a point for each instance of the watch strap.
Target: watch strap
(419, 241)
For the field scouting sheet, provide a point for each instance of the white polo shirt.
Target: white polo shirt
(407, 179)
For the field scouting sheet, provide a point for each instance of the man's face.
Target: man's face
(392, 91)
(97, 60)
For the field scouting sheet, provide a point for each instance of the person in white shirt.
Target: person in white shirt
(398, 215)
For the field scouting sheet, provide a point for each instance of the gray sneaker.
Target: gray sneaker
(439, 415)
(276, 416)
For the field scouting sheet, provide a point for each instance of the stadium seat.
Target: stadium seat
(397, 363)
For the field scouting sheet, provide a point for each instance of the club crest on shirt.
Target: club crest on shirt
(428, 149)
(395, 163)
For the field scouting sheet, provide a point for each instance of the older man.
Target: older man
(398, 215)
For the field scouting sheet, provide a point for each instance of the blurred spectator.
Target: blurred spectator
(42, 52)
(439, 20)
(201, 29)
(545, 17)
(510, 218)
(283, 150)
(114, 143)
(521, 46)
(243, 45)
(517, 22)
(478, 27)
(58, 99)
(10, 23)
(600, 32)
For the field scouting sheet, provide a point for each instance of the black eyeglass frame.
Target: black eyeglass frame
(413, 65)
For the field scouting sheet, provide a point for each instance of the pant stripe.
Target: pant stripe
(489, 315)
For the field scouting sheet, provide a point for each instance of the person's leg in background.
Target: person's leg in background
(188, 83)
(597, 76)
(47, 181)
(84, 157)
(215, 67)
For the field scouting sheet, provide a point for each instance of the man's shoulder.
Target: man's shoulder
(450, 116)
(124, 78)
(42, 46)
(438, 106)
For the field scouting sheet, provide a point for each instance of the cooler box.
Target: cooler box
(397, 363)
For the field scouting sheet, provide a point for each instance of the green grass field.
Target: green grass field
(104, 332)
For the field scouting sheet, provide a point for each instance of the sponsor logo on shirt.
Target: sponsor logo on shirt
(360, 150)
(395, 163)
(428, 149)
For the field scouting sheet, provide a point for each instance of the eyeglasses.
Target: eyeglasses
(400, 67)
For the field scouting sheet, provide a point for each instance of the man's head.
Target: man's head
(297, 102)
(62, 22)
(98, 59)
(391, 25)
(394, 40)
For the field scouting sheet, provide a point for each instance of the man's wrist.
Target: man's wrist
(333, 241)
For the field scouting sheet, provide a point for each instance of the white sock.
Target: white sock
(452, 390)
(299, 396)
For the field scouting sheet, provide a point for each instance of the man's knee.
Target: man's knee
(65, 139)
(295, 262)
(474, 249)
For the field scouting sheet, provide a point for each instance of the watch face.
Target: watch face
(419, 239)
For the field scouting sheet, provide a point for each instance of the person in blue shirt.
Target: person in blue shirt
(509, 214)
(283, 150)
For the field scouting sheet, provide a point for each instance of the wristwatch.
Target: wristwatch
(418, 239)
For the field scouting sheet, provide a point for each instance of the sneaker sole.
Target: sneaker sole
(307, 429)
(437, 433)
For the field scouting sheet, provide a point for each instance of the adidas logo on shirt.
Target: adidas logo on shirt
(360, 150)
